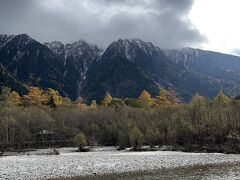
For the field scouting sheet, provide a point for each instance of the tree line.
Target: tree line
(44, 118)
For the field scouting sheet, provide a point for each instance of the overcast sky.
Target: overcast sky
(208, 24)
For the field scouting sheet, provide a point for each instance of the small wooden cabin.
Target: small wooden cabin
(45, 136)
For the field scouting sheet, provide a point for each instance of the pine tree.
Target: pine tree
(53, 98)
(136, 138)
(80, 140)
(5, 93)
(106, 100)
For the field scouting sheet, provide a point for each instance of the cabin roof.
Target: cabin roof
(45, 132)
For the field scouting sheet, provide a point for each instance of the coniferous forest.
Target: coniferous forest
(43, 118)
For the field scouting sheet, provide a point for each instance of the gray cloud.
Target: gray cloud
(163, 22)
(235, 52)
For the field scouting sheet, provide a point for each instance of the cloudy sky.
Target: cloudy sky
(208, 24)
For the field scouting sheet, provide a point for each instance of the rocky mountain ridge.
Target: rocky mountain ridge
(124, 69)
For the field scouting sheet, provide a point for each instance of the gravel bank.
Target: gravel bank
(101, 161)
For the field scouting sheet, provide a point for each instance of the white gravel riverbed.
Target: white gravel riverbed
(101, 161)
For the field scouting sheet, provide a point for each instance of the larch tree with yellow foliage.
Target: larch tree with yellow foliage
(172, 97)
(221, 98)
(93, 105)
(145, 99)
(162, 99)
(11, 97)
(53, 98)
(35, 96)
(15, 98)
(80, 103)
(66, 102)
(106, 100)
(198, 101)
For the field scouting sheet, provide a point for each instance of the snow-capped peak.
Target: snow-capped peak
(130, 47)
(54, 44)
(56, 47)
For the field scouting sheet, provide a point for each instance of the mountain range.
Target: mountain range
(124, 68)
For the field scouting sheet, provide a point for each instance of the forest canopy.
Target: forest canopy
(44, 118)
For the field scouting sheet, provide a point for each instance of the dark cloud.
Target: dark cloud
(163, 22)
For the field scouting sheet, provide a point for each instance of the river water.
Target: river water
(213, 172)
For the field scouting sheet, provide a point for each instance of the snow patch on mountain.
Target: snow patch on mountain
(79, 55)
(56, 47)
(130, 48)
(4, 39)
(183, 56)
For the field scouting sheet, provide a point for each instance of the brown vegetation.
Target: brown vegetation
(202, 124)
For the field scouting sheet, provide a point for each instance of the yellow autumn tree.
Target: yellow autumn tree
(221, 98)
(35, 96)
(198, 101)
(15, 98)
(106, 100)
(80, 103)
(162, 99)
(66, 101)
(11, 97)
(93, 105)
(53, 98)
(145, 99)
(172, 97)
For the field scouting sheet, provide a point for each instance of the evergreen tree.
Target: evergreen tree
(136, 138)
(5, 93)
(53, 98)
(80, 140)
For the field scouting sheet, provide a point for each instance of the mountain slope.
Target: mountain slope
(117, 76)
(124, 69)
(207, 62)
(6, 79)
(76, 59)
(221, 68)
(32, 63)
(147, 57)
(164, 71)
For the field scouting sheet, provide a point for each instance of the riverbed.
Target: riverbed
(104, 161)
